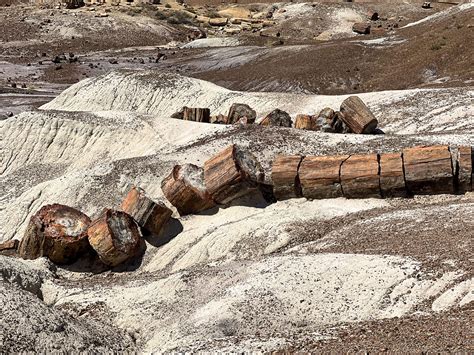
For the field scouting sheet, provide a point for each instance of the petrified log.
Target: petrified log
(286, 183)
(56, 231)
(232, 173)
(324, 120)
(360, 176)
(392, 178)
(238, 111)
(362, 28)
(338, 125)
(320, 176)
(148, 214)
(185, 189)
(358, 116)
(11, 244)
(196, 114)
(277, 118)
(219, 119)
(305, 122)
(428, 169)
(465, 159)
(114, 236)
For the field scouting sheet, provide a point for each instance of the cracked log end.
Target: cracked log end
(392, 178)
(286, 182)
(58, 232)
(232, 173)
(115, 237)
(149, 215)
(185, 189)
(320, 176)
(360, 176)
(357, 116)
(428, 170)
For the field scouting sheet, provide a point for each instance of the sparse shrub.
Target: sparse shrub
(437, 46)
(180, 18)
(160, 15)
(212, 13)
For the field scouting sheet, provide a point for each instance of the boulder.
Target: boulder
(238, 111)
(277, 118)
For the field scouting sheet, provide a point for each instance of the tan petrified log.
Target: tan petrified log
(320, 176)
(196, 114)
(465, 172)
(305, 122)
(428, 170)
(392, 178)
(56, 231)
(360, 176)
(114, 236)
(357, 116)
(232, 173)
(149, 215)
(286, 183)
(11, 244)
(185, 189)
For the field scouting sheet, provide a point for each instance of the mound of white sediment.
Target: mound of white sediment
(452, 11)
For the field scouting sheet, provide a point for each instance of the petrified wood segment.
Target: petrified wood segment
(305, 122)
(360, 176)
(357, 115)
(392, 178)
(196, 114)
(149, 215)
(232, 173)
(11, 244)
(56, 231)
(185, 189)
(238, 111)
(114, 236)
(277, 118)
(464, 166)
(320, 176)
(286, 183)
(428, 170)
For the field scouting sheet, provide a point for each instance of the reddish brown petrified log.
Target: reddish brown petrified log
(196, 114)
(428, 170)
(115, 237)
(392, 178)
(320, 176)
(232, 173)
(357, 116)
(149, 215)
(360, 176)
(56, 231)
(10, 245)
(305, 122)
(185, 189)
(286, 183)
(465, 159)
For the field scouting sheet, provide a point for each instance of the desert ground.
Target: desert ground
(86, 99)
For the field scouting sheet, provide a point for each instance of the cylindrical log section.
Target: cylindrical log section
(286, 183)
(150, 215)
(320, 176)
(305, 122)
(58, 232)
(115, 237)
(232, 173)
(360, 176)
(392, 178)
(428, 170)
(185, 189)
(196, 114)
(465, 172)
(357, 116)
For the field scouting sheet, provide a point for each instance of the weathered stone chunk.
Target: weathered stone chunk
(286, 183)
(320, 176)
(149, 215)
(428, 170)
(361, 28)
(277, 118)
(232, 173)
(58, 232)
(360, 176)
(465, 171)
(238, 111)
(392, 178)
(185, 189)
(115, 237)
(357, 116)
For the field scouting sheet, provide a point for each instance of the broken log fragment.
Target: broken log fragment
(286, 183)
(232, 173)
(149, 215)
(392, 178)
(277, 118)
(196, 114)
(9, 245)
(464, 167)
(320, 176)
(428, 170)
(185, 189)
(305, 122)
(362, 28)
(58, 232)
(238, 111)
(360, 176)
(114, 236)
(357, 116)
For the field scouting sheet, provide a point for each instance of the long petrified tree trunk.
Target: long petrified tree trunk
(56, 231)
(392, 177)
(360, 176)
(286, 182)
